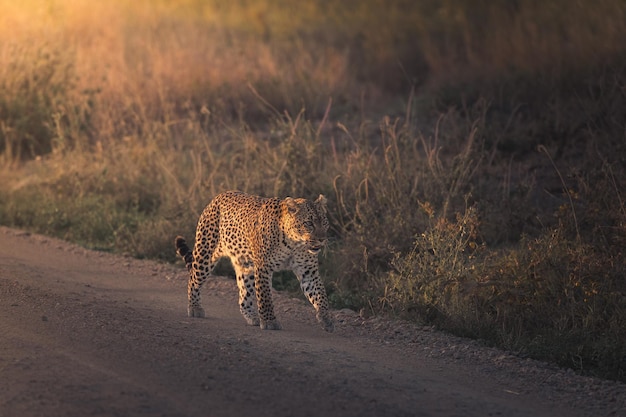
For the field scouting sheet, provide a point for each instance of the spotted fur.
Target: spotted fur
(260, 236)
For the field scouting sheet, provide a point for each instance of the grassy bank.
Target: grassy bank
(473, 155)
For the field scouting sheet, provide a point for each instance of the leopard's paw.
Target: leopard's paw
(195, 311)
(326, 321)
(270, 324)
(252, 321)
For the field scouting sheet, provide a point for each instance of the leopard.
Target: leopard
(260, 236)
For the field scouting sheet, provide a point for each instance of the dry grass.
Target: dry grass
(120, 120)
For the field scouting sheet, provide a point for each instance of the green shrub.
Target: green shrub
(433, 275)
(561, 300)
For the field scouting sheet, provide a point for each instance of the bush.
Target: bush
(564, 301)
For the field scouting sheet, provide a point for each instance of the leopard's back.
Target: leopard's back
(242, 223)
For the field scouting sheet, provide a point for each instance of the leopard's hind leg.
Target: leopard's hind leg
(201, 262)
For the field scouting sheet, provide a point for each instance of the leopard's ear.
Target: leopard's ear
(320, 203)
(291, 204)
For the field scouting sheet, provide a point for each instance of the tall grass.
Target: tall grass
(488, 38)
(120, 120)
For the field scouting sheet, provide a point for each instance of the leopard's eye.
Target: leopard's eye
(308, 224)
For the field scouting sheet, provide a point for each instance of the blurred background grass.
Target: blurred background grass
(473, 152)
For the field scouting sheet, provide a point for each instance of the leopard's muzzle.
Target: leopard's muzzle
(316, 247)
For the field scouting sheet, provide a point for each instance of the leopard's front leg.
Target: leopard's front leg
(247, 298)
(313, 288)
(263, 288)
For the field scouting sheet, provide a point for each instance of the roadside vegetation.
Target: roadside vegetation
(473, 153)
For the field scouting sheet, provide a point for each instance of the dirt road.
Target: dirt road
(85, 333)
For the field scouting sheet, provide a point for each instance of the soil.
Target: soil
(86, 333)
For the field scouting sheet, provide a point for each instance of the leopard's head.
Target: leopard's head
(305, 222)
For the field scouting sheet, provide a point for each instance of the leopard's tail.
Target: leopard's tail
(183, 251)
